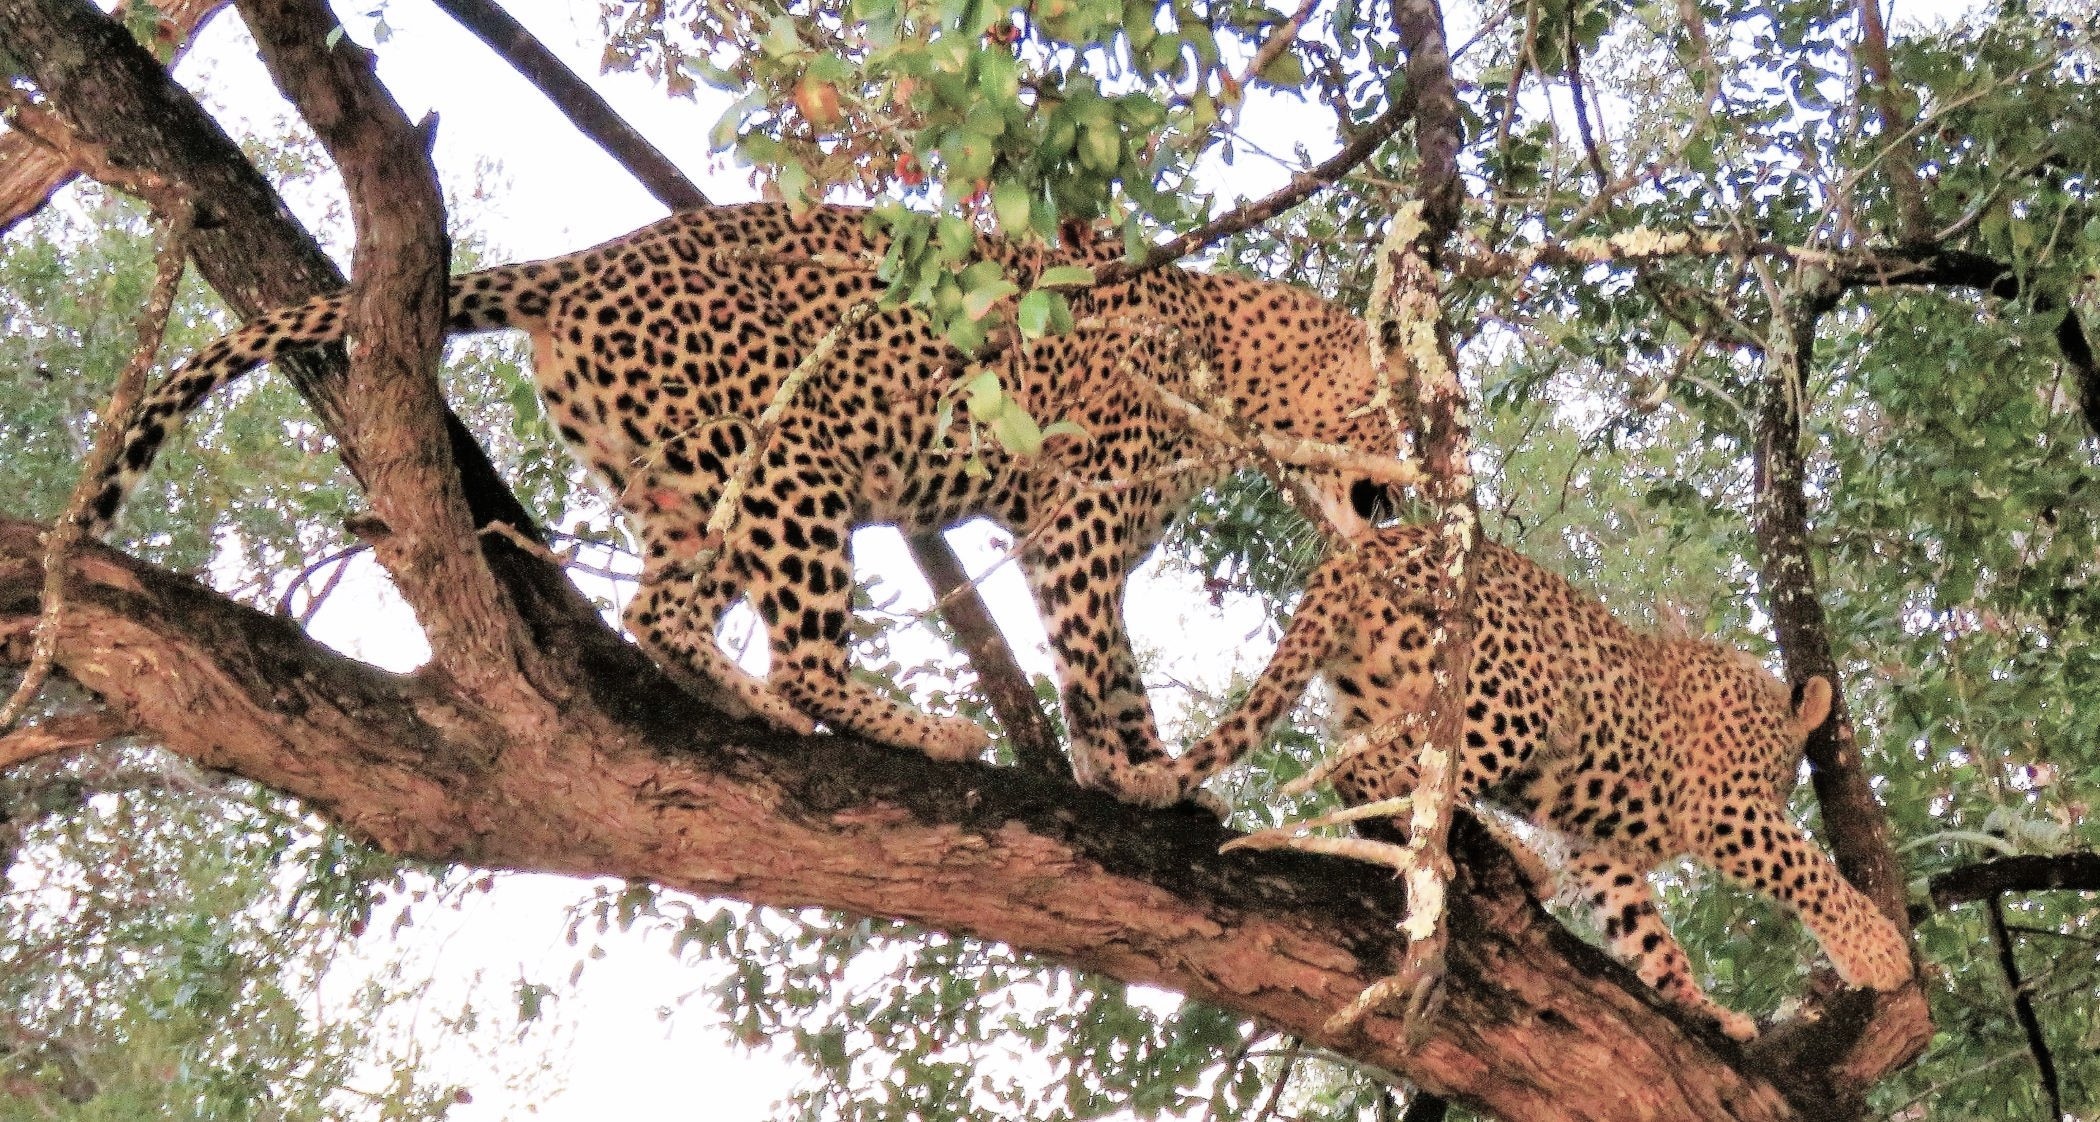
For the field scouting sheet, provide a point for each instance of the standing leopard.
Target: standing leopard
(656, 353)
(1626, 749)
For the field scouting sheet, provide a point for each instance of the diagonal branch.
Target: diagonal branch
(1302, 186)
(31, 172)
(1005, 685)
(592, 115)
(63, 733)
(2023, 1005)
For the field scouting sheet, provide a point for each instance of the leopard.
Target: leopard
(1622, 750)
(657, 356)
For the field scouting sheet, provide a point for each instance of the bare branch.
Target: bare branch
(396, 314)
(1302, 186)
(1279, 41)
(32, 170)
(1877, 82)
(67, 733)
(2023, 1005)
(592, 115)
(1005, 685)
(2078, 872)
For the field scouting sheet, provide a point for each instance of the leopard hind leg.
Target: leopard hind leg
(673, 617)
(1617, 893)
(792, 551)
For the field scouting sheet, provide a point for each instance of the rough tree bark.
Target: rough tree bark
(607, 769)
(1899, 1024)
(633, 780)
(31, 173)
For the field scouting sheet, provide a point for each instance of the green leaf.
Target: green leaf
(965, 335)
(1016, 431)
(979, 300)
(1010, 202)
(1034, 312)
(1285, 70)
(1100, 147)
(985, 394)
(1066, 276)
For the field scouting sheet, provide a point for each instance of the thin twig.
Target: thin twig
(731, 500)
(2023, 1005)
(1291, 1055)
(61, 734)
(1278, 42)
(116, 418)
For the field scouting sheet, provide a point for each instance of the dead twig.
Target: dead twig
(61, 734)
(116, 418)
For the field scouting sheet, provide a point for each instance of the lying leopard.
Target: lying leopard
(656, 352)
(1627, 749)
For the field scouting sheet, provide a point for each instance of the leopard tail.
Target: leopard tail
(474, 306)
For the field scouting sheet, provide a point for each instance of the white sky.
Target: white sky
(557, 192)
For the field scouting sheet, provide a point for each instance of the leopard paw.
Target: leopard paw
(1152, 786)
(1878, 961)
(951, 739)
(1735, 1026)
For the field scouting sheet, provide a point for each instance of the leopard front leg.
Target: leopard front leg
(1759, 847)
(673, 616)
(1617, 892)
(792, 551)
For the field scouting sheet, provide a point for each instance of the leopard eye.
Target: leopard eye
(1363, 498)
(1374, 503)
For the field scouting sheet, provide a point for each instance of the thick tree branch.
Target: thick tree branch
(2078, 872)
(1437, 136)
(397, 317)
(1853, 821)
(31, 172)
(1877, 82)
(592, 115)
(1534, 1024)
(2078, 355)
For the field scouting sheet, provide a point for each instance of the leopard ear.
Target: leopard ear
(1814, 707)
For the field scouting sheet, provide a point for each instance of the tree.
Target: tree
(168, 927)
(1744, 315)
